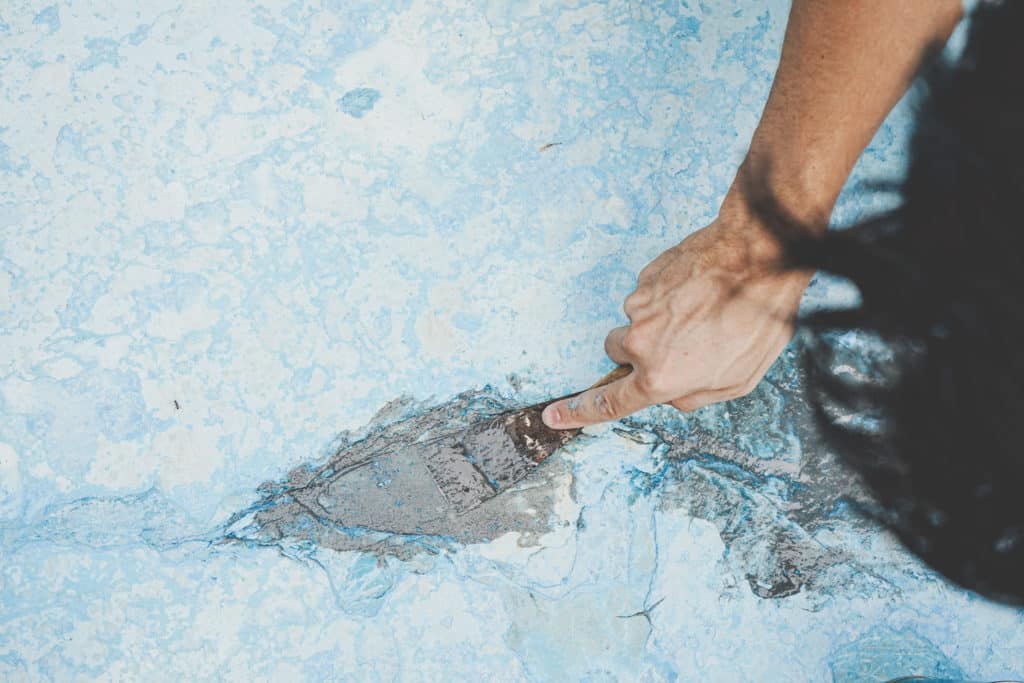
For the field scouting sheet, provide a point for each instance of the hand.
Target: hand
(708, 318)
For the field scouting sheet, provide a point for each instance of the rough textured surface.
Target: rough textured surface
(230, 232)
(395, 489)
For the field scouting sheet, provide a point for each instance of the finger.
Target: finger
(632, 304)
(613, 346)
(700, 399)
(602, 404)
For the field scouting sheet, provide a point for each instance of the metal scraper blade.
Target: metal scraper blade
(486, 459)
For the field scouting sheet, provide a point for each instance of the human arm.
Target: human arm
(710, 315)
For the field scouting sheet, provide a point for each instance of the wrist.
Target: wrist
(790, 197)
(757, 220)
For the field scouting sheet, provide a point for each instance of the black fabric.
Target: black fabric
(940, 439)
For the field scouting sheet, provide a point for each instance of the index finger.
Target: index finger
(600, 404)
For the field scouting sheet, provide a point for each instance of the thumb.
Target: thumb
(601, 404)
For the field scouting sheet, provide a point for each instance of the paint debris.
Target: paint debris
(377, 491)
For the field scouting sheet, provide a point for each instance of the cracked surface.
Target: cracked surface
(380, 492)
(230, 231)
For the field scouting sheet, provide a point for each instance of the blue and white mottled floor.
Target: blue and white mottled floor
(230, 231)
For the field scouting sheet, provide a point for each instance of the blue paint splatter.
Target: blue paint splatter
(5, 156)
(358, 102)
(139, 35)
(323, 77)
(687, 27)
(50, 18)
(101, 51)
(464, 321)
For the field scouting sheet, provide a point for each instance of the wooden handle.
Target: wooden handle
(617, 373)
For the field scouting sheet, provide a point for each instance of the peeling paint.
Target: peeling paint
(228, 233)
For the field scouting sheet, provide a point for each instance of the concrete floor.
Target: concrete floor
(231, 231)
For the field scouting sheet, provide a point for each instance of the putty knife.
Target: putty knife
(487, 458)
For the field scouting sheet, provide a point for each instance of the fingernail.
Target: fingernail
(551, 416)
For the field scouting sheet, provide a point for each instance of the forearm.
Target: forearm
(691, 340)
(844, 65)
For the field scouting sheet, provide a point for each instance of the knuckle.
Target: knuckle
(605, 406)
(609, 345)
(630, 304)
(655, 383)
(647, 383)
(572, 406)
(634, 304)
(632, 342)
